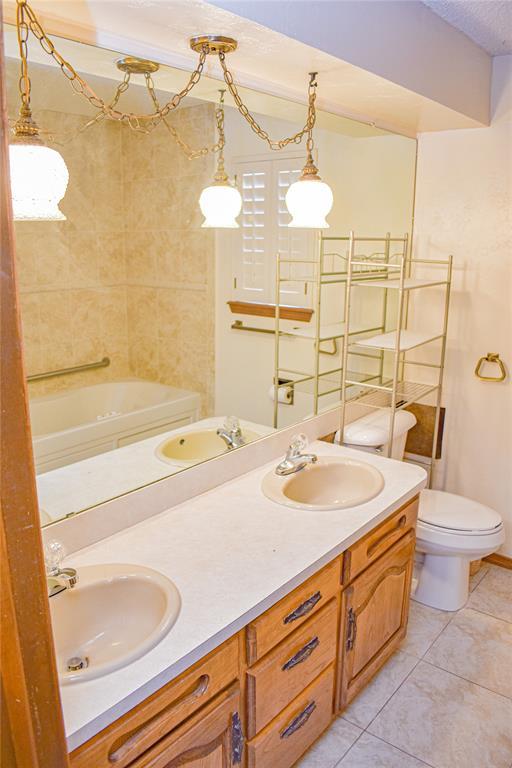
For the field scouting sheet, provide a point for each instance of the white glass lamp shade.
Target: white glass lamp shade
(309, 201)
(220, 205)
(39, 178)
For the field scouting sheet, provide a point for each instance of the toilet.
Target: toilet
(371, 432)
(451, 530)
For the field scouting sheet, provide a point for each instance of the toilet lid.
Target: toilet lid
(456, 513)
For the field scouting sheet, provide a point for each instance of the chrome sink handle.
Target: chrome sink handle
(295, 460)
(58, 578)
(231, 433)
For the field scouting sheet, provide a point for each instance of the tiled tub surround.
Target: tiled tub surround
(444, 700)
(130, 273)
(232, 554)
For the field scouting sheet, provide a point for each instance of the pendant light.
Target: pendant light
(221, 202)
(39, 176)
(309, 199)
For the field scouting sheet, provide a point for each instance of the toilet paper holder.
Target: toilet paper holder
(491, 357)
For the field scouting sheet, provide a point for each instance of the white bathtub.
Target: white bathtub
(79, 423)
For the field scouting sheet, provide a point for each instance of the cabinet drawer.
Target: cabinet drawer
(130, 736)
(287, 670)
(293, 610)
(360, 555)
(292, 732)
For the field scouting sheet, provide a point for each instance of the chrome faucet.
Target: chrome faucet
(231, 433)
(58, 579)
(295, 460)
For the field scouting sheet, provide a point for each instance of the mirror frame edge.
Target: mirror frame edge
(34, 727)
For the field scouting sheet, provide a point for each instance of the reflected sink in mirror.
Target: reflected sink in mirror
(331, 483)
(114, 615)
(195, 446)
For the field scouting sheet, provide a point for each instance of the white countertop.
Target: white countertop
(83, 484)
(232, 553)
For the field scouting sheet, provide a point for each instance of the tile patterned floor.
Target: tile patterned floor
(444, 700)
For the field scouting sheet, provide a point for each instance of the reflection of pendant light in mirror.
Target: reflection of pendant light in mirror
(309, 199)
(39, 176)
(221, 202)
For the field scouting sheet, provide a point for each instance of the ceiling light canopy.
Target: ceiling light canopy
(39, 174)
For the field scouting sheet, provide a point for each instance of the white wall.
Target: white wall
(464, 207)
(403, 42)
(372, 181)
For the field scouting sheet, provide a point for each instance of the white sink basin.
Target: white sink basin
(331, 483)
(199, 445)
(114, 615)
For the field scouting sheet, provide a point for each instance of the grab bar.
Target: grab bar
(103, 363)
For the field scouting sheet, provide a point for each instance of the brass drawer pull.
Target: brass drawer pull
(301, 655)
(303, 609)
(376, 544)
(120, 751)
(237, 739)
(351, 629)
(298, 721)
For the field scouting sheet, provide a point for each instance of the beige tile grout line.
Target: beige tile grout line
(418, 660)
(378, 738)
(466, 680)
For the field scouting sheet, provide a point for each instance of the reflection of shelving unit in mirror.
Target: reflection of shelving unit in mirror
(324, 340)
(391, 387)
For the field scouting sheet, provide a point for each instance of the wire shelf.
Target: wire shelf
(381, 396)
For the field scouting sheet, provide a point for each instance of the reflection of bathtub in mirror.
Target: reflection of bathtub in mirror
(70, 489)
(75, 424)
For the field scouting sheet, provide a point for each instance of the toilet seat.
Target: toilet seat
(456, 515)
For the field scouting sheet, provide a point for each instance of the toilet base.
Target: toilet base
(443, 582)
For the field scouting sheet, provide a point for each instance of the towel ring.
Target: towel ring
(491, 357)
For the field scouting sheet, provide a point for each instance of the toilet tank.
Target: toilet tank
(371, 432)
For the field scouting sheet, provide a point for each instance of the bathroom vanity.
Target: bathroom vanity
(282, 673)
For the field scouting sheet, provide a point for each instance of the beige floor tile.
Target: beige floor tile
(475, 580)
(371, 700)
(425, 624)
(478, 647)
(331, 747)
(447, 722)
(494, 594)
(369, 752)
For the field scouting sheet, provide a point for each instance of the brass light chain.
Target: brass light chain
(145, 123)
(80, 86)
(191, 153)
(256, 127)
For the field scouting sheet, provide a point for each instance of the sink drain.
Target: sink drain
(75, 663)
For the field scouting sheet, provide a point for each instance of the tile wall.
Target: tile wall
(130, 273)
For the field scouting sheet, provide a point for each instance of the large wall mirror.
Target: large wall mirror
(147, 337)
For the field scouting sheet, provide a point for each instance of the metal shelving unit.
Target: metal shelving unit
(330, 268)
(395, 391)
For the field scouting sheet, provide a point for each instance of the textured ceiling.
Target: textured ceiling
(487, 22)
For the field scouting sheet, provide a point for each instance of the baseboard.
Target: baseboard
(501, 560)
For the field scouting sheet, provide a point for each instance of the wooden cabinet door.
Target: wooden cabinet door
(375, 609)
(212, 738)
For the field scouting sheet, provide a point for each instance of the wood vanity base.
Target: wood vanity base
(264, 696)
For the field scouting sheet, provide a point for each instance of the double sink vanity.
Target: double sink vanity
(232, 628)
